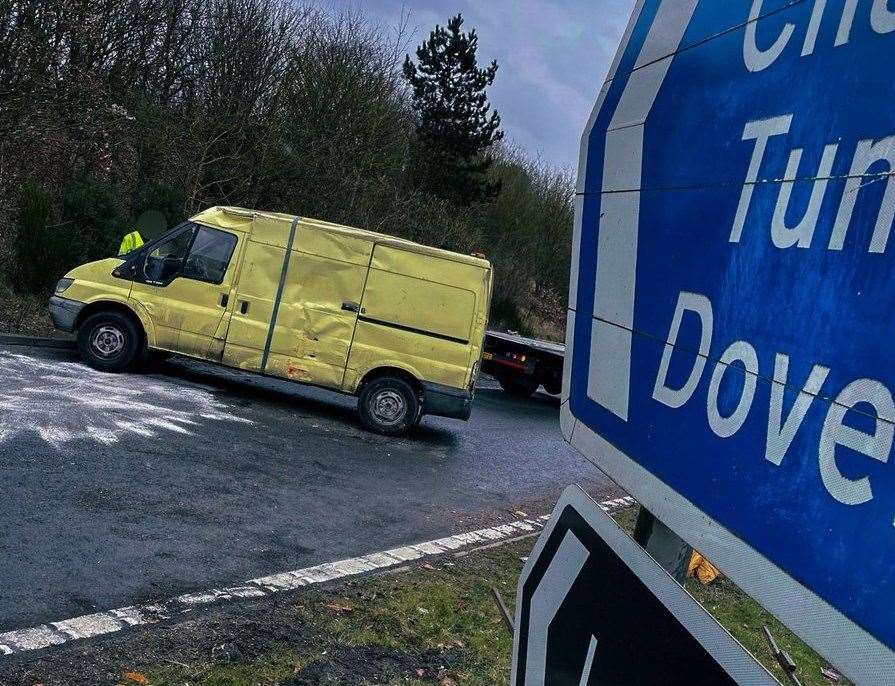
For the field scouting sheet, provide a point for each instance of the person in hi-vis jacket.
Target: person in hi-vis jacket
(130, 242)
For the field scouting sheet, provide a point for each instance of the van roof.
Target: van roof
(278, 224)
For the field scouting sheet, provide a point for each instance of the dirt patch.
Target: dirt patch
(26, 315)
(235, 635)
(357, 666)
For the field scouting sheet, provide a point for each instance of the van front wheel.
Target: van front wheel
(388, 405)
(108, 341)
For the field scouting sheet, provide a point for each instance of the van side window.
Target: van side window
(166, 259)
(210, 255)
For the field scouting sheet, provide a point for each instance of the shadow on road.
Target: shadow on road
(311, 402)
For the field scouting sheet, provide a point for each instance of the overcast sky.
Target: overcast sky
(553, 57)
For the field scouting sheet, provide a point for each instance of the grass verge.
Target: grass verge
(439, 624)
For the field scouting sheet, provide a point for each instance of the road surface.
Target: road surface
(122, 489)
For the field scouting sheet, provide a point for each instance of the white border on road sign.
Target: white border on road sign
(582, 161)
(619, 223)
(861, 657)
(728, 652)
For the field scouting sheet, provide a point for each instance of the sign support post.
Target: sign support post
(665, 546)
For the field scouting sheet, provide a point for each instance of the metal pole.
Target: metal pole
(665, 546)
(504, 612)
(783, 659)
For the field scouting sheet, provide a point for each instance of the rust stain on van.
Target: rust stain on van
(294, 372)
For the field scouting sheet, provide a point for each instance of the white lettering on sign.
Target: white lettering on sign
(801, 234)
(757, 59)
(872, 163)
(761, 132)
(742, 356)
(780, 432)
(702, 307)
(740, 351)
(868, 154)
(843, 34)
(882, 20)
(817, 13)
(876, 445)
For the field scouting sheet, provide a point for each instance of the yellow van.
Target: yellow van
(396, 323)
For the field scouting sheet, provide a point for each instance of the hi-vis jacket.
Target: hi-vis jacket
(130, 242)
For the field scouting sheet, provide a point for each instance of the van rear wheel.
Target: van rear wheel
(388, 406)
(108, 341)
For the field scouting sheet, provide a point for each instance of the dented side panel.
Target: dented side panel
(425, 357)
(313, 333)
(349, 305)
(438, 308)
(435, 268)
(327, 244)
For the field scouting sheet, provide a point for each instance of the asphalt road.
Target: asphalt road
(119, 489)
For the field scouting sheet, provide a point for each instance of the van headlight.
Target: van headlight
(63, 284)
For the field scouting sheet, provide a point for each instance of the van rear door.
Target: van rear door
(418, 312)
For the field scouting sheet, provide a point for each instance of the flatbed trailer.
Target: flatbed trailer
(521, 365)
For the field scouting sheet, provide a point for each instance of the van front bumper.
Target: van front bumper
(64, 313)
(446, 401)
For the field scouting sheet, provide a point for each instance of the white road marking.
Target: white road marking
(113, 621)
(61, 402)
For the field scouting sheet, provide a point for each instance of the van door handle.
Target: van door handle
(244, 307)
(225, 298)
(351, 307)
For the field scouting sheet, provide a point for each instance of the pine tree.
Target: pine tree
(455, 126)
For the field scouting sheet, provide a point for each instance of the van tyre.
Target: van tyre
(109, 341)
(388, 405)
(520, 386)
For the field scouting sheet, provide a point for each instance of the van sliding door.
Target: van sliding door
(318, 311)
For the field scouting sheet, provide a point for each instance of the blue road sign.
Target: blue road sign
(732, 310)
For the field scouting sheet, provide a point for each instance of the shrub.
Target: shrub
(93, 221)
(34, 252)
